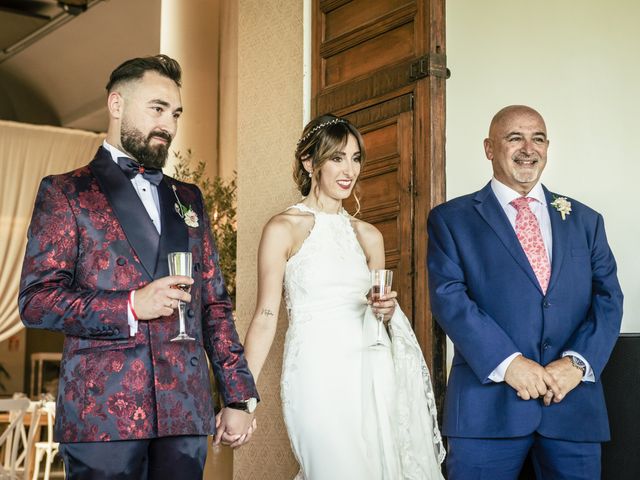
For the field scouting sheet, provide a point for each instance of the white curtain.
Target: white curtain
(28, 153)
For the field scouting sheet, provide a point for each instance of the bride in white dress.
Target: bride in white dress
(352, 412)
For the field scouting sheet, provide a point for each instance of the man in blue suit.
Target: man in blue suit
(524, 283)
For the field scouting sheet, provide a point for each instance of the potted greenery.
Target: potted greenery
(220, 202)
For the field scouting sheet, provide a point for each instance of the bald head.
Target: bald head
(506, 116)
(517, 147)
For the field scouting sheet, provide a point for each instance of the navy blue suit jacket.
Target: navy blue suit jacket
(487, 299)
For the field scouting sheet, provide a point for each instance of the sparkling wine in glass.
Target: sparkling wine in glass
(180, 263)
(381, 280)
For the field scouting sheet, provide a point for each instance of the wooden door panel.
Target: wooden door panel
(380, 191)
(382, 145)
(359, 13)
(370, 55)
(389, 228)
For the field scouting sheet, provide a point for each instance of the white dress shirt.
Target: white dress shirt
(505, 196)
(148, 194)
(146, 190)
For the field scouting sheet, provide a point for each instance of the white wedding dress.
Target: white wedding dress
(352, 412)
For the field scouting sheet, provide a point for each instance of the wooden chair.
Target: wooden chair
(49, 447)
(37, 364)
(10, 440)
(24, 461)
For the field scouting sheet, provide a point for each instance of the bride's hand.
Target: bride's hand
(385, 305)
(233, 427)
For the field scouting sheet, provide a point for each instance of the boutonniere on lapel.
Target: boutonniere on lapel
(562, 205)
(186, 213)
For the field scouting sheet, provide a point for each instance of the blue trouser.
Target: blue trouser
(502, 458)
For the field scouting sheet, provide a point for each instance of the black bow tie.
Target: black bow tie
(131, 168)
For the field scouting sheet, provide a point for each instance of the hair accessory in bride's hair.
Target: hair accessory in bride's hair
(321, 126)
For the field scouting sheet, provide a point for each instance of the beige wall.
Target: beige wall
(202, 35)
(269, 123)
(189, 33)
(578, 63)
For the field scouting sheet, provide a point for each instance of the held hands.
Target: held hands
(553, 382)
(566, 376)
(160, 297)
(385, 305)
(529, 379)
(234, 427)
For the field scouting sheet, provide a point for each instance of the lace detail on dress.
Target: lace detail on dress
(416, 403)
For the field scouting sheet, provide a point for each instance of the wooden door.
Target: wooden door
(382, 65)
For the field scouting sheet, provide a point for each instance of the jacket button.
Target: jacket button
(546, 345)
(194, 361)
(546, 304)
(191, 313)
(121, 261)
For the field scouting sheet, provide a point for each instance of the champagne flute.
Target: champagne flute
(381, 280)
(180, 264)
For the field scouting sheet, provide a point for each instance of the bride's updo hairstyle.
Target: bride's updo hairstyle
(321, 139)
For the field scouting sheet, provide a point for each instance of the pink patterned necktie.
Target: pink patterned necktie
(528, 232)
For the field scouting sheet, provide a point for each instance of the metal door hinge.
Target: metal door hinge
(432, 65)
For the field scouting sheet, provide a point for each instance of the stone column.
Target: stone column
(190, 33)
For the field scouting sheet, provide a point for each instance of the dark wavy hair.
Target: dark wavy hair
(321, 139)
(135, 68)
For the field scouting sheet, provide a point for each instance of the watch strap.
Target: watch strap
(248, 405)
(579, 364)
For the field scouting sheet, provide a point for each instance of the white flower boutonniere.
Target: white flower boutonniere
(562, 205)
(186, 212)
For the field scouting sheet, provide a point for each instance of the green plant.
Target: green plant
(220, 202)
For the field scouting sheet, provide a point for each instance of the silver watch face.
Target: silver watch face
(252, 403)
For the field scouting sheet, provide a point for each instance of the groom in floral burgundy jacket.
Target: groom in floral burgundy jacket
(132, 403)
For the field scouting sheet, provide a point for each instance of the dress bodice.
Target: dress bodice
(330, 269)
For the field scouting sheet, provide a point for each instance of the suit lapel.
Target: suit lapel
(128, 208)
(175, 236)
(560, 235)
(490, 210)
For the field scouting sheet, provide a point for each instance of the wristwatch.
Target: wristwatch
(248, 405)
(579, 364)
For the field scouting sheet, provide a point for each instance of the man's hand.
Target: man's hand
(234, 427)
(566, 376)
(529, 379)
(160, 297)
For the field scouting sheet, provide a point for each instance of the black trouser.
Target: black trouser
(174, 458)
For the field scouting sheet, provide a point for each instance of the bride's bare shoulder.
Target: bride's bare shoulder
(291, 223)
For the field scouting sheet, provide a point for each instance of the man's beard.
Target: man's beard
(135, 143)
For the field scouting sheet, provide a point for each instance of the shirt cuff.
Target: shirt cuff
(498, 374)
(588, 376)
(133, 323)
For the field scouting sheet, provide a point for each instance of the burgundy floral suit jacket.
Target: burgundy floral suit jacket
(90, 243)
